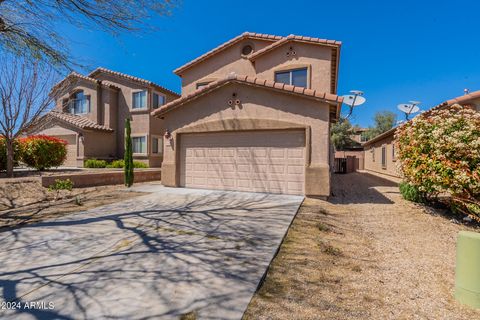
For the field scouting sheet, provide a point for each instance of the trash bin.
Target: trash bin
(467, 271)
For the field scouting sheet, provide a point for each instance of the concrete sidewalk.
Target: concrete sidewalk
(162, 255)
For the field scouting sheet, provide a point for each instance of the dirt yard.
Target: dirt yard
(24, 200)
(365, 254)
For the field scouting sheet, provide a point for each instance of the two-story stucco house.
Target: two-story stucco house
(90, 113)
(254, 115)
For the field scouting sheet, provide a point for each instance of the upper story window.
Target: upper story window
(295, 77)
(79, 104)
(139, 100)
(158, 100)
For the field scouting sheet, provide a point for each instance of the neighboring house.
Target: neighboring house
(255, 115)
(355, 149)
(90, 113)
(380, 153)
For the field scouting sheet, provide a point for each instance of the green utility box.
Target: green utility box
(467, 273)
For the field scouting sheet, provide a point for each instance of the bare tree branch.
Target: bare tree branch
(24, 97)
(31, 27)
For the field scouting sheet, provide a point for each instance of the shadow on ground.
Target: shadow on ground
(155, 256)
(360, 188)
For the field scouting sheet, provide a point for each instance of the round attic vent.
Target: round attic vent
(247, 49)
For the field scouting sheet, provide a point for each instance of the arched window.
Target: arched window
(80, 103)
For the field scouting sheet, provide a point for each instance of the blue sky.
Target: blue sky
(394, 51)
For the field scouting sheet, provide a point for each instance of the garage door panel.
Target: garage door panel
(259, 161)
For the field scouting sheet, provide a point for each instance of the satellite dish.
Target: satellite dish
(408, 108)
(353, 100)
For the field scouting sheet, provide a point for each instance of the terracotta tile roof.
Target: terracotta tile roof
(77, 121)
(76, 75)
(309, 93)
(381, 136)
(245, 35)
(129, 77)
(295, 38)
(462, 100)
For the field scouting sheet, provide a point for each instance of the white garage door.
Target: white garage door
(71, 160)
(255, 161)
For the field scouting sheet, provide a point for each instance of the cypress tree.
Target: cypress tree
(128, 156)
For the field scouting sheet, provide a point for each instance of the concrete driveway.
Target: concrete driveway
(162, 255)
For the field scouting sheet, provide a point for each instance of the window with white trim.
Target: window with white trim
(139, 144)
(294, 77)
(139, 100)
(157, 145)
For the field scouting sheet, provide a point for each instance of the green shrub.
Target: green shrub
(60, 184)
(94, 163)
(411, 193)
(17, 153)
(43, 152)
(116, 164)
(139, 164)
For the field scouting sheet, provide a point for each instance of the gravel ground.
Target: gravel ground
(24, 200)
(365, 254)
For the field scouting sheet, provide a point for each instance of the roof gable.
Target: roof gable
(228, 44)
(100, 70)
(294, 38)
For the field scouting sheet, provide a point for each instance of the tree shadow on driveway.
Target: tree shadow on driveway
(155, 256)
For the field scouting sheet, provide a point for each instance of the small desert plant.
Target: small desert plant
(61, 184)
(411, 193)
(43, 152)
(116, 164)
(331, 250)
(94, 163)
(139, 164)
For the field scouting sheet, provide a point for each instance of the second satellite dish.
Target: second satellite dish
(353, 100)
(408, 108)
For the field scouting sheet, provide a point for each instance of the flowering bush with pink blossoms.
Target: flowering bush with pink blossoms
(439, 153)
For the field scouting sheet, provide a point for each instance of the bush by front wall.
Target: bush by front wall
(3, 153)
(43, 152)
(117, 164)
(94, 163)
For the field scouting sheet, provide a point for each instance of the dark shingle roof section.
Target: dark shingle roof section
(231, 42)
(77, 121)
(129, 77)
(309, 93)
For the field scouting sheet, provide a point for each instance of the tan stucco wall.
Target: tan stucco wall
(99, 145)
(316, 58)
(259, 109)
(220, 65)
(376, 165)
